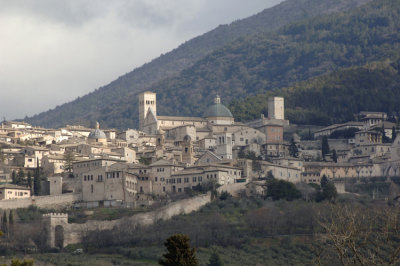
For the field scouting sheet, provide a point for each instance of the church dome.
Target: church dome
(97, 133)
(218, 109)
(187, 138)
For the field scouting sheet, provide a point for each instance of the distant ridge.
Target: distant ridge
(99, 105)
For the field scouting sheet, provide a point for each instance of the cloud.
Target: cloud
(54, 51)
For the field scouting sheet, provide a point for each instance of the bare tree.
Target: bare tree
(359, 235)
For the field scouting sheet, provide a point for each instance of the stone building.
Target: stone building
(9, 191)
(97, 136)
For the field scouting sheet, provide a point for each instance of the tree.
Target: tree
(36, 181)
(215, 260)
(394, 133)
(324, 181)
(329, 192)
(69, 158)
(334, 156)
(11, 222)
(179, 252)
(2, 156)
(358, 235)
(293, 150)
(241, 154)
(29, 180)
(281, 189)
(325, 146)
(20, 177)
(14, 177)
(5, 223)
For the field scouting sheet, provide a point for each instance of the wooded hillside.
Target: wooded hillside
(114, 105)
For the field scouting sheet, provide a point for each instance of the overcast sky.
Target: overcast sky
(52, 51)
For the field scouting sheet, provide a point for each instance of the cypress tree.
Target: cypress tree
(36, 181)
(293, 150)
(29, 181)
(11, 222)
(334, 156)
(5, 223)
(21, 177)
(14, 177)
(325, 147)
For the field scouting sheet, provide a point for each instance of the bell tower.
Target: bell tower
(147, 100)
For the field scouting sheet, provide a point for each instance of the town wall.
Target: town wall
(73, 233)
(51, 202)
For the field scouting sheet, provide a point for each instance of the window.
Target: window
(186, 180)
(194, 179)
(155, 179)
(200, 178)
(179, 180)
(91, 188)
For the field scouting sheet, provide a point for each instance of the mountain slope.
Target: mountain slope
(93, 106)
(261, 62)
(332, 98)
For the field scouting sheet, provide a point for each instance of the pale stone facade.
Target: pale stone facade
(9, 192)
(276, 109)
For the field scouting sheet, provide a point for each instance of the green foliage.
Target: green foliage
(69, 158)
(281, 189)
(2, 156)
(145, 161)
(36, 181)
(293, 150)
(29, 180)
(25, 262)
(325, 146)
(224, 195)
(20, 177)
(334, 156)
(329, 192)
(324, 181)
(4, 225)
(14, 177)
(32, 213)
(179, 252)
(215, 260)
(344, 134)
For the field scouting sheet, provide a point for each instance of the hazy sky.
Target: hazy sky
(52, 51)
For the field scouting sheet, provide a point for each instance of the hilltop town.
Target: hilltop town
(172, 155)
(176, 165)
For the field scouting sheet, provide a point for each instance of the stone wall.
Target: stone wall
(73, 233)
(51, 202)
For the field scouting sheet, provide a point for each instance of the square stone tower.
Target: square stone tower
(276, 108)
(147, 100)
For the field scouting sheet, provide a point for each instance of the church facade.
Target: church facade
(151, 123)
